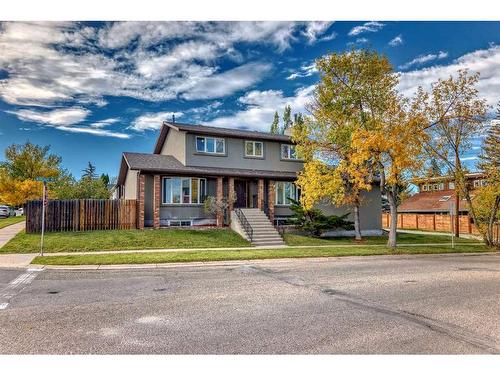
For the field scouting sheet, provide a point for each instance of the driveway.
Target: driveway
(387, 304)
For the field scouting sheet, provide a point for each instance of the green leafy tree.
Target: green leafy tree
(298, 119)
(105, 179)
(89, 172)
(287, 118)
(29, 161)
(487, 200)
(23, 164)
(276, 124)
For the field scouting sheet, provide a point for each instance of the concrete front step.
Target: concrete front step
(264, 233)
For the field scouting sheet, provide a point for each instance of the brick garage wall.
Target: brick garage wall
(429, 222)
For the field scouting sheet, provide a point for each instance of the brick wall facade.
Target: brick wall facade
(260, 194)
(156, 201)
(140, 201)
(271, 200)
(219, 193)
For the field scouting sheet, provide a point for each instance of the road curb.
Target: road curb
(117, 267)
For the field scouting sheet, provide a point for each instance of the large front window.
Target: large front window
(183, 190)
(286, 190)
(210, 145)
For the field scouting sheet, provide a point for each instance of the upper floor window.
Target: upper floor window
(288, 152)
(451, 185)
(479, 183)
(286, 190)
(181, 190)
(431, 187)
(254, 149)
(211, 145)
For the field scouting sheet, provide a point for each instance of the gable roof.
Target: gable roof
(216, 131)
(432, 201)
(170, 165)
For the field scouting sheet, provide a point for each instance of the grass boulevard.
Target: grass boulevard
(205, 244)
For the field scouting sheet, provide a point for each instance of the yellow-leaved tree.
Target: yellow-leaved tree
(18, 173)
(353, 95)
(394, 146)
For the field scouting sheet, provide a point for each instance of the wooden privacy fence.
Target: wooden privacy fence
(430, 222)
(81, 215)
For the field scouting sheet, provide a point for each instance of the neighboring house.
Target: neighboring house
(437, 194)
(191, 162)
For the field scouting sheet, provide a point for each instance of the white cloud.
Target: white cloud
(361, 40)
(43, 70)
(316, 28)
(120, 34)
(94, 131)
(227, 82)
(372, 26)
(57, 117)
(422, 59)
(304, 71)
(396, 41)
(65, 119)
(152, 121)
(104, 123)
(486, 62)
(261, 106)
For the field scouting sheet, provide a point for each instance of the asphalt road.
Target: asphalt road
(399, 304)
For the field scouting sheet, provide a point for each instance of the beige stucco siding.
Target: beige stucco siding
(131, 184)
(175, 145)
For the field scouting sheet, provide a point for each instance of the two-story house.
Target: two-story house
(191, 162)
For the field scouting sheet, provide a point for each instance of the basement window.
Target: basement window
(180, 223)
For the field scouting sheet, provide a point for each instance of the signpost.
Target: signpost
(45, 202)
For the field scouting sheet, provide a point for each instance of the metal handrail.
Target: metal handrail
(244, 222)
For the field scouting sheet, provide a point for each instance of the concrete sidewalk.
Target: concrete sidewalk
(7, 233)
(13, 260)
(247, 262)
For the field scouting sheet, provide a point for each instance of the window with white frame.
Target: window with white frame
(451, 185)
(286, 190)
(288, 152)
(254, 149)
(479, 183)
(183, 190)
(211, 145)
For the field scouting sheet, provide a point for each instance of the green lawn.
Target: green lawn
(402, 238)
(124, 240)
(10, 220)
(219, 255)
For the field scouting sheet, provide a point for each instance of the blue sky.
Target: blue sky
(93, 90)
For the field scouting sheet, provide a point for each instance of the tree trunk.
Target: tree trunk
(456, 213)
(457, 195)
(357, 226)
(391, 242)
(493, 214)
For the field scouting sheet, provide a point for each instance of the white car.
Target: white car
(5, 211)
